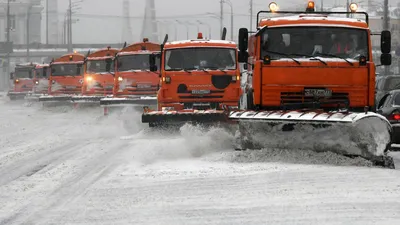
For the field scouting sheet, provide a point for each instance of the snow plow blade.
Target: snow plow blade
(366, 135)
(33, 97)
(168, 118)
(134, 101)
(86, 99)
(60, 98)
(16, 95)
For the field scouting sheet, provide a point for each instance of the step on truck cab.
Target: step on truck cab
(199, 78)
(22, 78)
(98, 78)
(313, 70)
(134, 83)
(66, 78)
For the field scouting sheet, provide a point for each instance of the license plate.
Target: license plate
(201, 92)
(142, 86)
(317, 92)
(70, 87)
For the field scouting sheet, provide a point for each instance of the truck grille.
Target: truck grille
(298, 97)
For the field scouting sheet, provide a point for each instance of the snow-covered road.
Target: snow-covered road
(59, 166)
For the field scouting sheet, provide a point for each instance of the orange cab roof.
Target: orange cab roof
(313, 20)
(39, 66)
(70, 58)
(200, 43)
(103, 54)
(149, 46)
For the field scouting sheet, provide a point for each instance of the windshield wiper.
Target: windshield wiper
(336, 56)
(312, 57)
(216, 68)
(205, 70)
(284, 54)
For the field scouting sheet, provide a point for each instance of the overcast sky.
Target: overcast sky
(101, 21)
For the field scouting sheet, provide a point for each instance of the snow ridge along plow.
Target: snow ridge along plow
(23, 81)
(66, 79)
(41, 74)
(199, 79)
(134, 83)
(313, 85)
(98, 80)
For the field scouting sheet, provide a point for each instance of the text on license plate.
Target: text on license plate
(317, 92)
(200, 92)
(144, 86)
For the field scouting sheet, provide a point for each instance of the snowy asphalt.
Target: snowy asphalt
(60, 166)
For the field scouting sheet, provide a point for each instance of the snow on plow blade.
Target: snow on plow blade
(86, 99)
(165, 118)
(134, 101)
(59, 98)
(367, 135)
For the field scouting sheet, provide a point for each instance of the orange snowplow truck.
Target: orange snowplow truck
(98, 80)
(199, 79)
(316, 69)
(134, 83)
(23, 81)
(66, 78)
(41, 75)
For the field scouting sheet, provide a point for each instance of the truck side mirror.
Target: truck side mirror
(53, 70)
(44, 74)
(11, 76)
(243, 57)
(386, 42)
(386, 59)
(243, 39)
(30, 74)
(152, 62)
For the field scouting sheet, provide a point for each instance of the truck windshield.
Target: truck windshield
(134, 62)
(23, 73)
(42, 72)
(98, 66)
(200, 58)
(66, 69)
(303, 42)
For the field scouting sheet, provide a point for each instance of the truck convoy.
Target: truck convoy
(134, 83)
(66, 78)
(98, 79)
(22, 81)
(310, 83)
(198, 78)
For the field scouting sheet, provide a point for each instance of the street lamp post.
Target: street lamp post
(9, 48)
(231, 5)
(28, 15)
(187, 28)
(209, 28)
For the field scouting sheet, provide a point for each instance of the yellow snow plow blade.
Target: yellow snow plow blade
(366, 135)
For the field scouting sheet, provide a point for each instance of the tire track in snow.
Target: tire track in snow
(49, 158)
(88, 171)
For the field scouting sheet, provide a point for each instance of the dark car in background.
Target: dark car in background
(384, 84)
(389, 107)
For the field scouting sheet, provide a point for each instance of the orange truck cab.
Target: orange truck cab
(66, 78)
(23, 81)
(197, 74)
(134, 83)
(311, 59)
(98, 80)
